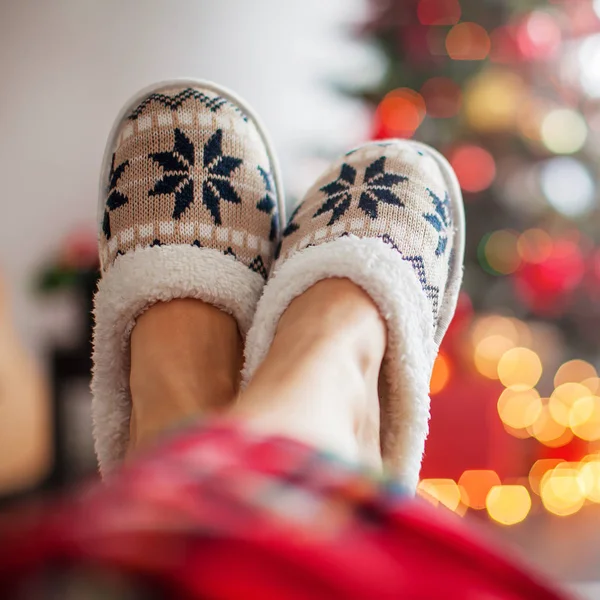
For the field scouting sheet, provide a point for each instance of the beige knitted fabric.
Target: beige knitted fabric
(386, 190)
(189, 168)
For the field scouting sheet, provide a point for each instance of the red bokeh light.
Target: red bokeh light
(442, 97)
(399, 114)
(468, 41)
(475, 167)
(438, 12)
(546, 286)
(538, 36)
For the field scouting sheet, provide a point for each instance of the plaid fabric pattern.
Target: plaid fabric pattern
(218, 512)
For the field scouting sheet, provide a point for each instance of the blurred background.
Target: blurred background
(508, 90)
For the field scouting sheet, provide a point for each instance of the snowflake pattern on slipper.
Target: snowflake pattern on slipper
(189, 168)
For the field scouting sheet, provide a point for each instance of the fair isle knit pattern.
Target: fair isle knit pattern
(189, 168)
(390, 191)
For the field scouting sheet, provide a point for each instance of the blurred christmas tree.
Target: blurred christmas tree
(509, 91)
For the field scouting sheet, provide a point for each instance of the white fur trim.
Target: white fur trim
(411, 350)
(137, 280)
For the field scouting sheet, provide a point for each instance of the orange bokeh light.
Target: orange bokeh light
(440, 374)
(475, 486)
(442, 96)
(401, 112)
(468, 41)
(475, 167)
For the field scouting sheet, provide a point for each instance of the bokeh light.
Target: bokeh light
(519, 369)
(475, 485)
(501, 251)
(492, 100)
(539, 36)
(589, 476)
(492, 336)
(563, 131)
(440, 374)
(562, 492)
(468, 41)
(488, 353)
(584, 418)
(443, 97)
(401, 112)
(508, 327)
(562, 400)
(519, 409)
(440, 491)
(589, 58)
(534, 245)
(475, 167)
(539, 469)
(568, 186)
(508, 504)
(574, 371)
(592, 384)
(548, 432)
(438, 12)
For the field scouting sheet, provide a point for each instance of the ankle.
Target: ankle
(336, 313)
(185, 361)
(319, 380)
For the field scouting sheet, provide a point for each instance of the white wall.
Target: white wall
(67, 66)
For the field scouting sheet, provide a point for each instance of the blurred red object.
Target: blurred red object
(545, 287)
(219, 513)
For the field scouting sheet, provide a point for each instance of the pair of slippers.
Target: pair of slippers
(191, 206)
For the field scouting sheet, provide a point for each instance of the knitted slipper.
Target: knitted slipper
(190, 206)
(389, 216)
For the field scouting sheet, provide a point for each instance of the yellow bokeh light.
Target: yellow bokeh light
(488, 325)
(564, 131)
(584, 418)
(475, 485)
(493, 99)
(565, 438)
(547, 431)
(440, 491)
(574, 371)
(589, 477)
(488, 353)
(519, 409)
(592, 384)
(515, 330)
(562, 492)
(539, 469)
(501, 252)
(508, 504)
(534, 245)
(562, 400)
(519, 369)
